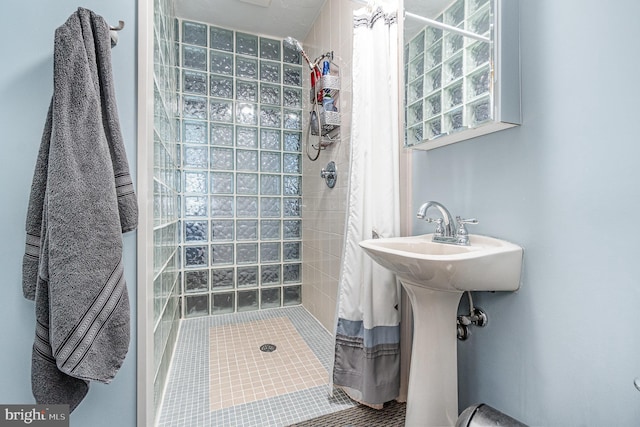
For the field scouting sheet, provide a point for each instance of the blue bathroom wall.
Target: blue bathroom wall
(563, 350)
(26, 49)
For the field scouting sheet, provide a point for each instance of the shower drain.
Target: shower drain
(268, 348)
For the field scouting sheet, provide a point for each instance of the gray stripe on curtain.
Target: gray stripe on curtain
(372, 337)
(371, 370)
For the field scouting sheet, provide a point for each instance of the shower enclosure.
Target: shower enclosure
(221, 179)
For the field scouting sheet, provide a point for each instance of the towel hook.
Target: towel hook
(119, 27)
(113, 33)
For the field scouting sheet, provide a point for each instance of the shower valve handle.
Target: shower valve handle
(331, 174)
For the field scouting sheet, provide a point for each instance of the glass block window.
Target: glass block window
(240, 139)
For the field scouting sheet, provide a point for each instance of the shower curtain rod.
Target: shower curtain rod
(433, 23)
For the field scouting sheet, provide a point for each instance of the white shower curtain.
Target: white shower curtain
(367, 358)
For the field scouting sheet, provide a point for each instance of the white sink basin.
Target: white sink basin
(488, 264)
(435, 275)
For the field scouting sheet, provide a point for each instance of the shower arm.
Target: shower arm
(315, 64)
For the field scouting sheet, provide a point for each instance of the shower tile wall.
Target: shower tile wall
(325, 208)
(166, 186)
(241, 139)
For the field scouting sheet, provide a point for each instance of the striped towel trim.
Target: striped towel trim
(41, 344)
(32, 246)
(79, 341)
(124, 185)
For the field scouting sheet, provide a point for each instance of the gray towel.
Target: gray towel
(81, 202)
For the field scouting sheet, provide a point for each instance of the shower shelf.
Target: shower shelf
(330, 120)
(329, 82)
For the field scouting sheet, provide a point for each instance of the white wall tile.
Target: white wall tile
(325, 209)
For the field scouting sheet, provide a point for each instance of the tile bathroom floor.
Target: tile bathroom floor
(220, 377)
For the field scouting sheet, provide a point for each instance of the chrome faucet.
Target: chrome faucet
(446, 217)
(446, 231)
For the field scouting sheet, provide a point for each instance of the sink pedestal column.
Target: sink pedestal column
(433, 379)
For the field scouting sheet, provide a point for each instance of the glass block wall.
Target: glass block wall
(166, 179)
(241, 138)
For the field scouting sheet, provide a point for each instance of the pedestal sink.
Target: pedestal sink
(435, 275)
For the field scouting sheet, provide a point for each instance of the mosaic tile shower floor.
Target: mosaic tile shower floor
(275, 395)
(241, 372)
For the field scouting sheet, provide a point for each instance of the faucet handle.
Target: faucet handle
(439, 229)
(466, 221)
(462, 233)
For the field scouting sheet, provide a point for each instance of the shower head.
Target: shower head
(295, 44)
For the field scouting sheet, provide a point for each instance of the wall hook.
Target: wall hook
(119, 27)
